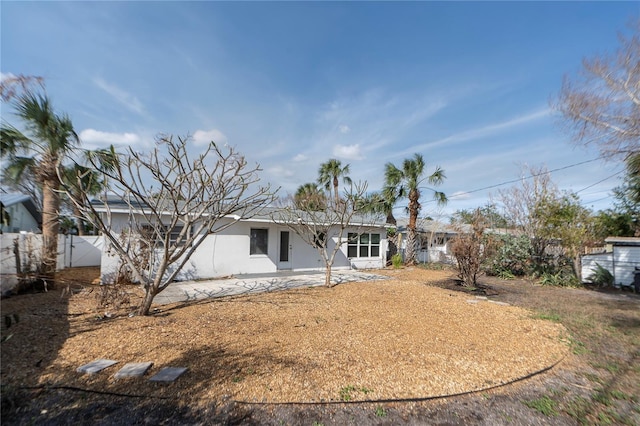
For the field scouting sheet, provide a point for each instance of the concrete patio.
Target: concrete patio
(258, 283)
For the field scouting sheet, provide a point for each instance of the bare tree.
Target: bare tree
(521, 205)
(173, 203)
(601, 105)
(331, 228)
(471, 249)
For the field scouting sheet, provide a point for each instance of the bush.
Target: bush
(511, 257)
(471, 251)
(396, 260)
(601, 276)
(555, 271)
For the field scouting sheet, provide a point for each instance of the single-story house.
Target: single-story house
(621, 257)
(19, 213)
(434, 239)
(260, 245)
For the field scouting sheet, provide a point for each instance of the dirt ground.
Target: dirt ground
(386, 352)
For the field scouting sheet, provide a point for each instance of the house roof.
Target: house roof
(428, 226)
(9, 200)
(267, 214)
(623, 241)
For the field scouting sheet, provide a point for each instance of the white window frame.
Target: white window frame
(361, 242)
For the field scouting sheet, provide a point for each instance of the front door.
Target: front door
(284, 259)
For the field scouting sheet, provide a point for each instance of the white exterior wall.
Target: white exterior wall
(20, 220)
(625, 259)
(589, 264)
(227, 253)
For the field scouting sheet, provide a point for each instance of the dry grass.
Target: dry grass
(394, 339)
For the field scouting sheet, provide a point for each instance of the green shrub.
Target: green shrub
(505, 274)
(511, 257)
(559, 279)
(396, 260)
(601, 276)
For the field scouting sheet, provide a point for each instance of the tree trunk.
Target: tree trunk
(50, 227)
(145, 307)
(335, 189)
(410, 252)
(412, 237)
(327, 276)
(79, 221)
(577, 267)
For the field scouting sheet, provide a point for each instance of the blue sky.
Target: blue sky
(293, 84)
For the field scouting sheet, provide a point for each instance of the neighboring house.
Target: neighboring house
(259, 245)
(19, 213)
(434, 239)
(621, 257)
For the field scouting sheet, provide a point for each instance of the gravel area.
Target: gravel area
(400, 338)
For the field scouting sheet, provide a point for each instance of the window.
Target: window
(363, 245)
(259, 241)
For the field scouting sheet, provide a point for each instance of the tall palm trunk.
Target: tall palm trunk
(412, 233)
(335, 189)
(50, 226)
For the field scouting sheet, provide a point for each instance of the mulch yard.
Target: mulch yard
(405, 338)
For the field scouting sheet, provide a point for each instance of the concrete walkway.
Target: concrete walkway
(255, 283)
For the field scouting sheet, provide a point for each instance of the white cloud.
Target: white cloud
(349, 152)
(485, 131)
(122, 96)
(96, 138)
(204, 137)
(344, 128)
(300, 158)
(280, 171)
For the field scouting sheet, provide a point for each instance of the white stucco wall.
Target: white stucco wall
(228, 253)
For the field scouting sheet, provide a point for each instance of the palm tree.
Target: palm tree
(49, 139)
(329, 174)
(309, 197)
(77, 179)
(405, 183)
(82, 181)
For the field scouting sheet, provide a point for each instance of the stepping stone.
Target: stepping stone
(472, 301)
(96, 366)
(499, 303)
(168, 374)
(481, 297)
(133, 369)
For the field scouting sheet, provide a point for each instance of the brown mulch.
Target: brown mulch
(401, 338)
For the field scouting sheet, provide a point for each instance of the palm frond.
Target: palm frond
(12, 141)
(17, 167)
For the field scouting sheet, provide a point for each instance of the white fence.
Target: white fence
(73, 251)
(80, 251)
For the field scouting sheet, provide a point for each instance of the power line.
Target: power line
(595, 201)
(600, 181)
(528, 177)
